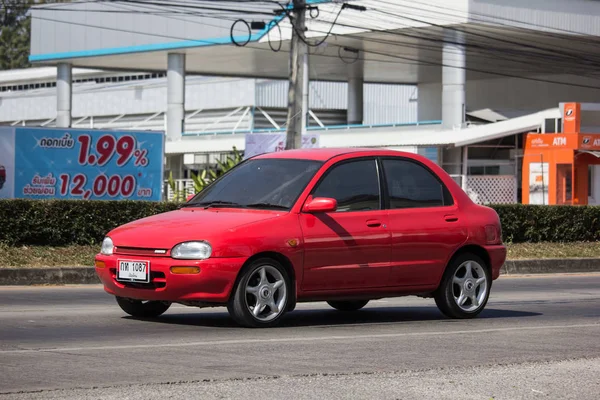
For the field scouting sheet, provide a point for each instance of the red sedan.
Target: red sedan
(339, 225)
(2, 176)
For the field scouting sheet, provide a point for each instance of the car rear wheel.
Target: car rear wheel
(261, 295)
(350, 305)
(465, 287)
(142, 309)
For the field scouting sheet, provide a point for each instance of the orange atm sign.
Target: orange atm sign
(563, 141)
(551, 141)
(589, 142)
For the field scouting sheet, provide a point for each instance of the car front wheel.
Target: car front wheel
(261, 295)
(142, 309)
(465, 287)
(352, 305)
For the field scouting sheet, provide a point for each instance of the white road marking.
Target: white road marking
(298, 339)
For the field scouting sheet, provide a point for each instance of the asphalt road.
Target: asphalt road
(538, 338)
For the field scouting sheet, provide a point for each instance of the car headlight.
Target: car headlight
(192, 251)
(107, 247)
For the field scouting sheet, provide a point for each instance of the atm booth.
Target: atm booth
(564, 167)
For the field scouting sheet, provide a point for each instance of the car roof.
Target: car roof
(325, 154)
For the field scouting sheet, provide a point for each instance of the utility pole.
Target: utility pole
(298, 50)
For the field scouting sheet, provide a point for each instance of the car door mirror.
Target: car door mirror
(320, 204)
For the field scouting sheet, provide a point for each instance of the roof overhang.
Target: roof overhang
(351, 136)
(396, 42)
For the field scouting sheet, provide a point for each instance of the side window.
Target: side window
(411, 185)
(354, 184)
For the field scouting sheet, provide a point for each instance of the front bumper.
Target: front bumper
(212, 284)
(497, 258)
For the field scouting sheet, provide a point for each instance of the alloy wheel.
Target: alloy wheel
(266, 293)
(469, 286)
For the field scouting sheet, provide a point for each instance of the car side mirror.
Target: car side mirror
(189, 197)
(320, 204)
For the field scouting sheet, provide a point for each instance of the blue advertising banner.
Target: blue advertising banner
(85, 164)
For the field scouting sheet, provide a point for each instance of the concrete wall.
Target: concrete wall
(509, 95)
(430, 102)
(566, 15)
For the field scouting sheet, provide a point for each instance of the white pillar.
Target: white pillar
(64, 95)
(175, 95)
(355, 93)
(355, 101)
(453, 92)
(453, 80)
(465, 167)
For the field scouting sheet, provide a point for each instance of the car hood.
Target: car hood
(163, 231)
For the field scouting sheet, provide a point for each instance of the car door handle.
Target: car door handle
(450, 218)
(373, 223)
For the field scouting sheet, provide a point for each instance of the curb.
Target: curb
(48, 276)
(550, 266)
(87, 275)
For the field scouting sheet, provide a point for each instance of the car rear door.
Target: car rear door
(425, 224)
(351, 247)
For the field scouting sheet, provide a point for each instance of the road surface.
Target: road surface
(538, 338)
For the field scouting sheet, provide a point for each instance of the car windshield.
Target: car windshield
(269, 183)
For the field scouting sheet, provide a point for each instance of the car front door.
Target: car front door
(349, 248)
(425, 223)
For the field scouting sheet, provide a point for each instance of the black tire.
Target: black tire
(140, 309)
(445, 294)
(240, 301)
(348, 305)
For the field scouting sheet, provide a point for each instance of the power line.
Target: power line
(405, 59)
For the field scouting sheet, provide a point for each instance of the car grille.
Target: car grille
(138, 251)
(157, 281)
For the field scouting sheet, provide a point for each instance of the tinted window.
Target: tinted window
(260, 183)
(411, 185)
(354, 185)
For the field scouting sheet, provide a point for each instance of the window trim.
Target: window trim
(378, 171)
(446, 193)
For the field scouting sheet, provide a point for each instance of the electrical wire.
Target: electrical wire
(488, 52)
(233, 40)
(276, 50)
(340, 49)
(324, 39)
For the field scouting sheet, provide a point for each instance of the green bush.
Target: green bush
(527, 223)
(64, 222)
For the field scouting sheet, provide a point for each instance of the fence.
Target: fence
(492, 189)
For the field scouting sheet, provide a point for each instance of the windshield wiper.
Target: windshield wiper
(267, 205)
(209, 204)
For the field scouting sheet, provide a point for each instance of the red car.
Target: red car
(2, 176)
(339, 225)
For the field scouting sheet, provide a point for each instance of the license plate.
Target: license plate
(133, 271)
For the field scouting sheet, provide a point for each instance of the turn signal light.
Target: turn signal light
(185, 270)
(99, 264)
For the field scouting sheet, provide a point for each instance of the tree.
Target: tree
(15, 33)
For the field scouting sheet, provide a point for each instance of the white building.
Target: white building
(473, 62)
